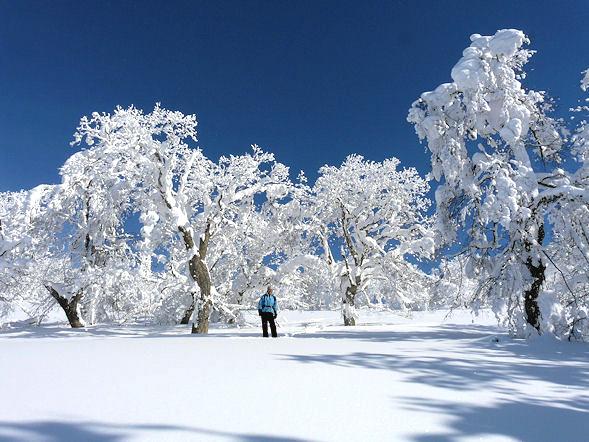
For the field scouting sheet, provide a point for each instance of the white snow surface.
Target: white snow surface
(425, 378)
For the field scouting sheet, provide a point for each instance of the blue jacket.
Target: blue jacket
(268, 304)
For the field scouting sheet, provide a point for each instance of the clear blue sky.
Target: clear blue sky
(311, 81)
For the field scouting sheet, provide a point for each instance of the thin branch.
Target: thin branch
(561, 273)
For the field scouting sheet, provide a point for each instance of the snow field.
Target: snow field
(392, 378)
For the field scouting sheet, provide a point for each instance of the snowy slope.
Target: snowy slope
(421, 379)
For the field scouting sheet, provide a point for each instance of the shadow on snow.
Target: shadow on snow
(528, 420)
(54, 431)
(470, 361)
(441, 332)
(456, 358)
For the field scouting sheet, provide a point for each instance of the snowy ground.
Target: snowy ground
(426, 379)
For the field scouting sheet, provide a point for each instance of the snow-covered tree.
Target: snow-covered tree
(376, 215)
(309, 282)
(245, 258)
(491, 143)
(183, 196)
(71, 247)
(565, 302)
(453, 288)
(88, 214)
(19, 288)
(162, 174)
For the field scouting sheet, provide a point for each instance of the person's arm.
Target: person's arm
(275, 307)
(260, 307)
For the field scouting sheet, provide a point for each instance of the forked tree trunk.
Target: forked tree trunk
(70, 307)
(537, 271)
(200, 274)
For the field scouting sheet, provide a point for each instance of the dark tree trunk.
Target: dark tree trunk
(349, 300)
(70, 307)
(189, 311)
(349, 304)
(202, 277)
(537, 271)
(200, 274)
(531, 295)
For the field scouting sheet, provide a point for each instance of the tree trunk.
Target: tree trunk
(200, 273)
(70, 307)
(189, 311)
(531, 295)
(349, 305)
(537, 271)
(204, 313)
(349, 301)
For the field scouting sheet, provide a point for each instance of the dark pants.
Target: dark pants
(268, 317)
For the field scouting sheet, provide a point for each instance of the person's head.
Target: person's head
(269, 290)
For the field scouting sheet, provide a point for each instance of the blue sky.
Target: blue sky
(310, 81)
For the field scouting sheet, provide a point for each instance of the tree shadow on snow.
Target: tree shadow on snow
(441, 333)
(432, 333)
(55, 431)
(468, 363)
(471, 361)
(536, 421)
(460, 371)
(122, 331)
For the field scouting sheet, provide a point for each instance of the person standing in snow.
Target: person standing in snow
(268, 310)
